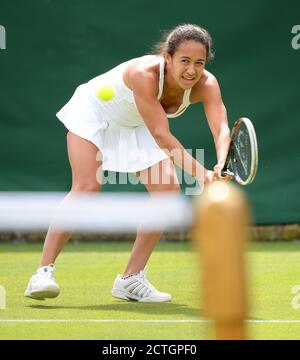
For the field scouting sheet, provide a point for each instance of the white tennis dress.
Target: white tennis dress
(115, 126)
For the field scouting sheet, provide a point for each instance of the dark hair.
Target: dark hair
(184, 32)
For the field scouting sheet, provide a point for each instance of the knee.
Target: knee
(89, 186)
(167, 187)
(172, 188)
(172, 183)
(168, 183)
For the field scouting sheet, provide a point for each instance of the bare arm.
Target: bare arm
(145, 92)
(216, 115)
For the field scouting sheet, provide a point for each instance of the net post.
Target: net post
(220, 235)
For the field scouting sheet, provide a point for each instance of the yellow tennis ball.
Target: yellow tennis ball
(106, 92)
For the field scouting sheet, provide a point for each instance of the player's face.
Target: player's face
(187, 64)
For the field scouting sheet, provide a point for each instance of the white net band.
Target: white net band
(94, 212)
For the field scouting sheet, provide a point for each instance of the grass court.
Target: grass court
(85, 308)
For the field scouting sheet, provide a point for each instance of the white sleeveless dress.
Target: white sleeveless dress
(115, 126)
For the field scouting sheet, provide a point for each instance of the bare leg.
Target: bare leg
(82, 156)
(146, 241)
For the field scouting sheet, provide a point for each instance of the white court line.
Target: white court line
(136, 321)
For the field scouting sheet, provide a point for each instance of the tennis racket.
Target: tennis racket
(242, 158)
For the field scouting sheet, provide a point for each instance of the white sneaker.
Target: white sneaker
(42, 284)
(137, 287)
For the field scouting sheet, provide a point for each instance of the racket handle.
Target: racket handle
(226, 172)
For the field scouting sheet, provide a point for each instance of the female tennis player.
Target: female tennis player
(127, 110)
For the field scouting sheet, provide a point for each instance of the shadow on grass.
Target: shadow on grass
(275, 246)
(126, 246)
(95, 246)
(142, 308)
(135, 307)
